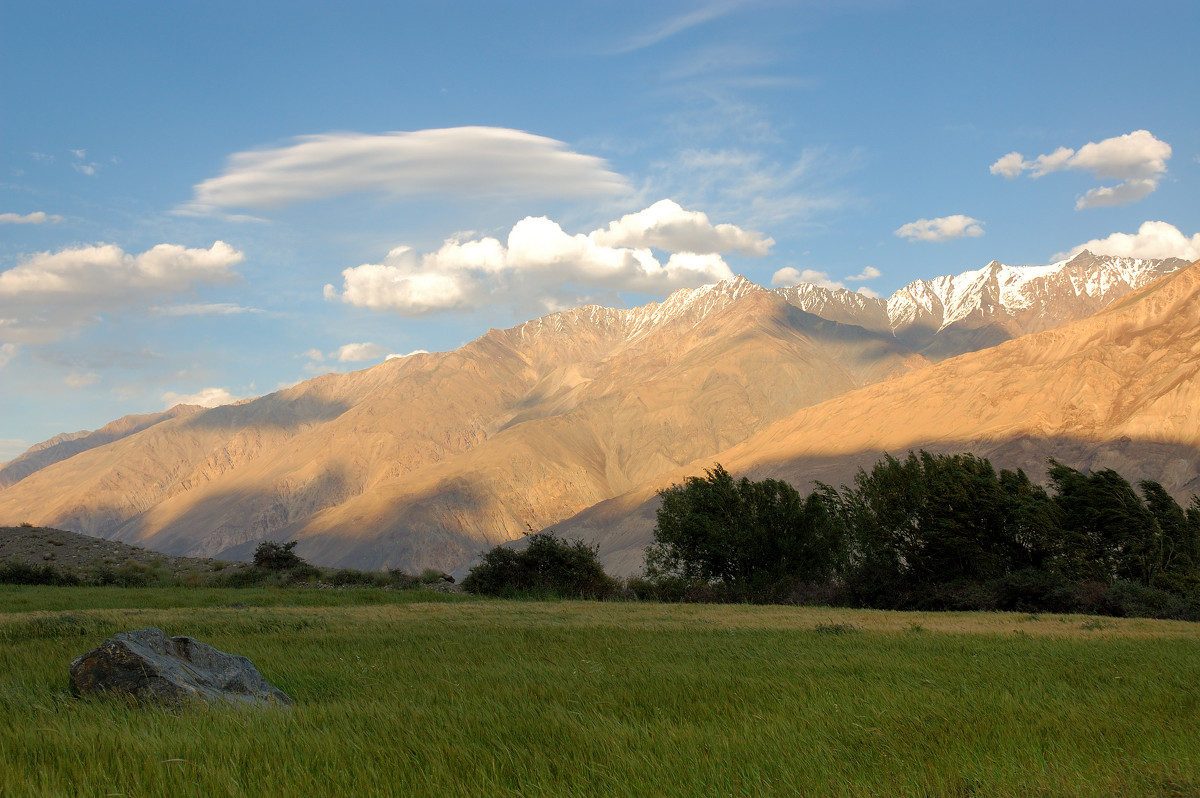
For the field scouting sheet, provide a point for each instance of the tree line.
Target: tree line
(933, 531)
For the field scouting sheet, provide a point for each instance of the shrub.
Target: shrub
(1028, 590)
(16, 573)
(1129, 599)
(549, 566)
(273, 556)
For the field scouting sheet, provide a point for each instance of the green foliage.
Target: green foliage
(16, 573)
(934, 532)
(749, 537)
(548, 566)
(274, 556)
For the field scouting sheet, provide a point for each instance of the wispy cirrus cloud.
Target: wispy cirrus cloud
(474, 161)
(943, 228)
(37, 217)
(1138, 159)
(675, 25)
(542, 267)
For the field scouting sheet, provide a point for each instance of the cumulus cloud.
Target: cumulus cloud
(473, 161)
(1137, 159)
(206, 397)
(37, 217)
(49, 293)
(1152, 240)
(667, 226)
(357, 353)
(789, 275)
(943, 228)
(542, 266)
(395, 356)
(7, 353)
(868, 273)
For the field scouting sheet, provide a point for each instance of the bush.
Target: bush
(549, 566)
(16, 573)
(1030, 590)
(1128, 599)
(273, 556)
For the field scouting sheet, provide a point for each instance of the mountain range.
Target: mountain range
(575, 420)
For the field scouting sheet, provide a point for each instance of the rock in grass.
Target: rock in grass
(148, 665)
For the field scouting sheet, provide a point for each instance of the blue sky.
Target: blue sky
(209, 201)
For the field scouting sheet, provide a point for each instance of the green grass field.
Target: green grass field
(412, 693)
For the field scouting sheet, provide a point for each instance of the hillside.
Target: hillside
(1119, 390)
(423, 461)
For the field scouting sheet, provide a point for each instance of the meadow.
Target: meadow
(418, 693)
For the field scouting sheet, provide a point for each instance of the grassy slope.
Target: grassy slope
(513, 698)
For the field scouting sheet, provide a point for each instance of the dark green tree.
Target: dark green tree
(274, 556)
(1107, 530)
(746, 535)
(548, 565)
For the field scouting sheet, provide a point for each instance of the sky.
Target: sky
(205, 202)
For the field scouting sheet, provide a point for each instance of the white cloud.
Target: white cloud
(356, 353)
(542, 266)
(7, 353)
(790, 275)
(1152, 240)
(1009, 166)
(475, 161)
(205, 309)
(667, 226)
(868, 273)
(407, 354)
(207, 397)
(944, 228)
(315, 354)
(733, 181)
(867, 292)
(677, 24)
(1120, 194)
(1137, 159)
(37, 217)
(49, 293)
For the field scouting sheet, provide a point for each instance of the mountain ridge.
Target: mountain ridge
(420, 461)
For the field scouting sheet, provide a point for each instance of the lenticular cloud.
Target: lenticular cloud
(452, 161)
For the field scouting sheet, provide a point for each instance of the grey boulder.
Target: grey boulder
(148, 665)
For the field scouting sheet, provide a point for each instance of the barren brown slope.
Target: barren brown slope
(419, 462)
(1120, 389)
(62, 447)
(700, 391)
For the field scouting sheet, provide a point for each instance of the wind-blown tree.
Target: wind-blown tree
(1108, 531)
(1173, 560)
(932, 520)
(750, 536)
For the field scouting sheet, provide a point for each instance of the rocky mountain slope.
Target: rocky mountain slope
(424, 461)
(1119, 389)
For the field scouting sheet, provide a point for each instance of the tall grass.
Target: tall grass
(571, 698)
